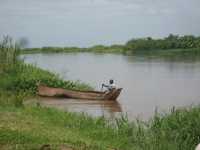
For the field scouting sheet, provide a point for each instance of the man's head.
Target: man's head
(111, 81)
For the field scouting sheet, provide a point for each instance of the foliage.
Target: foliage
(35, 126)
(170, 42)
(97, 49)
(26, 77)
(179, 130)
(9, 51)
(134, 45)
(19, 77)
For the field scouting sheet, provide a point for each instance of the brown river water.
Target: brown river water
(148, 84)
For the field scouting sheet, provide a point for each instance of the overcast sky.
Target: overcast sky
(89, 22)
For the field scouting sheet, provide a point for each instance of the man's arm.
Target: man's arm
(104, 85)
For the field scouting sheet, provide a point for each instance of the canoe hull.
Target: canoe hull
(89, 95)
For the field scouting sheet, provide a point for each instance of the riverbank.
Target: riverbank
(191, 54)
(95, 49)
(119, 50)
(32, 126)
(171, 43)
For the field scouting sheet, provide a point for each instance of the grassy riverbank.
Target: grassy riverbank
(31, 127)
(94, 49)
(173, 44)
(18, 77)
(24, 127)
(120, 50)
(24, 77)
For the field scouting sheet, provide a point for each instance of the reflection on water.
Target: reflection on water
(147, 83)
(99, 108)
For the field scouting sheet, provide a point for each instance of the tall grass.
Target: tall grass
(19, 77)
(177, 130)
(26, 77)
(9, 50)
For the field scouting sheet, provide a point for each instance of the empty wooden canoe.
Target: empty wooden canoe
(90, 95)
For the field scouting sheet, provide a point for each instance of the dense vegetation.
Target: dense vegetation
(19, 80)
(97, 48)
(172, 42)
(30, 126)
(17, 76)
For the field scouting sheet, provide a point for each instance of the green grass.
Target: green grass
(17, 76)
(36, 126)
(24, 77)
(9, 51)
(94, 49)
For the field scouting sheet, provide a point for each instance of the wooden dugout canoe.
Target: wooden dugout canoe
(89, 95)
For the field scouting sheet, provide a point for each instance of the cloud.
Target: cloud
(166, 7)
(87, 22)
(109, 7)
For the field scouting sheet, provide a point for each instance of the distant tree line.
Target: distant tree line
(135, 44)
(170, 42)
(96, 48)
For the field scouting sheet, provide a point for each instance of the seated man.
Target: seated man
(110, 86)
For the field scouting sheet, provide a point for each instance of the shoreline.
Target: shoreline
(35, 126)
(158, 52)
(25, 127)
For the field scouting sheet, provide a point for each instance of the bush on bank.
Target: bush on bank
(25, 77)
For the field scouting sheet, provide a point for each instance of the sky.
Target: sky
(84, 23)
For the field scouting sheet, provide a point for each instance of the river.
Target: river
(148, 84)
